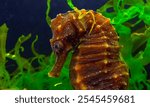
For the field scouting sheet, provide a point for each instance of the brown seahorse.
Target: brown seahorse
(96, 62)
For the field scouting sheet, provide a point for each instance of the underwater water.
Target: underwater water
(25, 51)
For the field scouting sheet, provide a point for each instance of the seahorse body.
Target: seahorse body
(96, 62)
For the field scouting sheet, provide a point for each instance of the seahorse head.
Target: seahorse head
(65, 29)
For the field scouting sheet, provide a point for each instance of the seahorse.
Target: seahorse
(96, 63)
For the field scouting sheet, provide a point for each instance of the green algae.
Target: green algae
(132, 22)
(4, 75)
(26, 75)
(48, 19)
(71, 5)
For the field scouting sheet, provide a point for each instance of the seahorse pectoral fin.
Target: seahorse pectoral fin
(60, 60)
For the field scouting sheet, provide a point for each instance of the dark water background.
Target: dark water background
(28, 16)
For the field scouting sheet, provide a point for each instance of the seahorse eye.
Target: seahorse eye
(58, 47)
